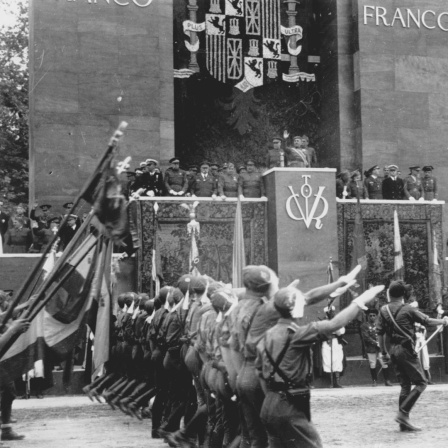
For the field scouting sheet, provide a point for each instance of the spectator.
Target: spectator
(429, 184)
(373, 183)
(214, 171)
(18, 238)
(176, 181)
(228, 182)
(342, 185)
(393, 186)
(413, 189)
(19, 214)
(154, 179)
(356, 186)
(310, 152)
(68, 231)
(241, 169)
(276, 156)
(250, 184)
(205, 183)
(43, 218)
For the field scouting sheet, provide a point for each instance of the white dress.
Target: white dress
(333, 362)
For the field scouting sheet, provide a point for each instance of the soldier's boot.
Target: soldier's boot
(92, 389)
(124, 402)
(337, 384)
(98, 390)
(402, 418)
(114, 386)
(386, 377)
(109, 396)
(123, 393)
(9, 434)
(134, 406)
(374, 377)
(428, 377)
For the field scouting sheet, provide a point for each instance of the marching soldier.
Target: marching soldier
(250, 184)
(228, 183)
(413, 189)
(176, 181)
(284, 363)
(398, 320)
(205, 183)
(370, 338)
(276, 156)
(393, 186)
(373, 183)
(429, 184)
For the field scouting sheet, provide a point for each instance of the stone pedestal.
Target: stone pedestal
(302, 224)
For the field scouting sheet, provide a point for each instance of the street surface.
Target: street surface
(348, 418)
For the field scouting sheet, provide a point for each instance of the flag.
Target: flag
(49, 264)
(398, 253)
(239, 256)
(156, 266)
(194, 256)
(99, 319)
(330, 274)
(55, 326)
(359, 255)
(435, 272)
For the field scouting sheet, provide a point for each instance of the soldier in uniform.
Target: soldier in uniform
(297, 157)
(214, 170)
(356, 186)
(373, 183)
(342, 185)
(154, 179)
(393, 186)
(413, 189)
(43, 218)
(241, 169)
(205, 183)
(429, 184)
(372, 347)
(398, 320)
(192, 172)
(228, 183)
(176, 181)
(250, 184)
(284, 363)
(276, 156)
(310, 152)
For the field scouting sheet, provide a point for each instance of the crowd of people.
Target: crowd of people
(23, 234)
(389, 186)
(234, 364)
(220, 182)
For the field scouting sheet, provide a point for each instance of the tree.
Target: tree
(14, 103)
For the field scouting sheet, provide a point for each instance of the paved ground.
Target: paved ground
(347, 418)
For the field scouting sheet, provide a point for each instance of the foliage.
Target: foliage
(14, 104)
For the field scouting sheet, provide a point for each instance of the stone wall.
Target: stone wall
(92, 65)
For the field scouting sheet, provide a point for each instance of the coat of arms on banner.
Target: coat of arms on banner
(243, 41)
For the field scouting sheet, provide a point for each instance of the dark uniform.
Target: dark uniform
(374, 188)
(297, 158)
(251, 185)
(357, 188)
(413, 187)
(204, 185)
(154, 182)
(429, 184)
(402, 355)
(228, 185)
(393, 189)
(176, 180)
(286, 409)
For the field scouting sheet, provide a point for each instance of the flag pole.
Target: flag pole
(106, 157)
(34, 311)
